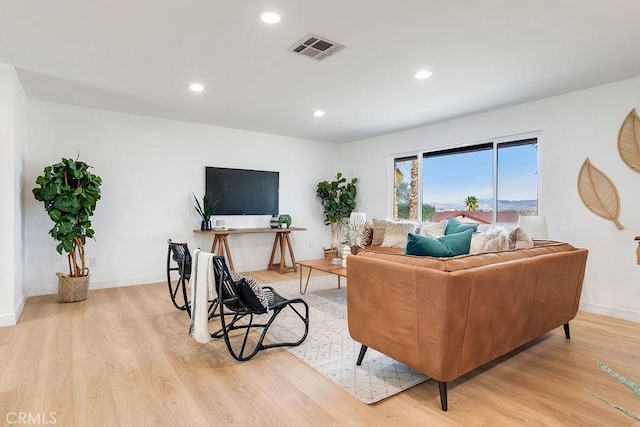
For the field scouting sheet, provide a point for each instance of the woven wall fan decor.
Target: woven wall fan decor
(629, 141)
(598, 193)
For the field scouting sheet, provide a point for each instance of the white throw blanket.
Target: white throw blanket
(202, 284)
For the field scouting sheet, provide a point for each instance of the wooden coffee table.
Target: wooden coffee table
(320, 265)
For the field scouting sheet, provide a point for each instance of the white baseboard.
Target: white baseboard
(103, 284)
(12, 319)
(610, 311)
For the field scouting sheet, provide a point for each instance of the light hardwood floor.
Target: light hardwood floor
(123, 358)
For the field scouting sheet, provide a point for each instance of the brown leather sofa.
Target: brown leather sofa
(447, 316)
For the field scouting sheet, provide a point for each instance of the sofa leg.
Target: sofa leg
(363, 350)
(443, 395)
(567, 334)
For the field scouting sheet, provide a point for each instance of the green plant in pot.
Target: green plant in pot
(205, 210)
(285, 220)
(69, 192)
(338, 199)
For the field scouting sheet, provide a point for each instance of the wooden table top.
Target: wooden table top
(325, 265)
(249, 230)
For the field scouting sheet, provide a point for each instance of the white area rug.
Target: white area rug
(330, 350)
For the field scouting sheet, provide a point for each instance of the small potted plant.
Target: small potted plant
(285, 220)
(205, 210)
(69, 193)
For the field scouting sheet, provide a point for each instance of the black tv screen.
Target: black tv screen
(243, 191)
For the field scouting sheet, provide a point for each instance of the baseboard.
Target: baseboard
(102, 284)
(610, 311)
(12, 319)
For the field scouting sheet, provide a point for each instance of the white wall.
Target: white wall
(12, 138)
(149, 168)
(573, 126)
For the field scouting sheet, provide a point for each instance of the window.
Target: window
(460, 181)
(405, 188)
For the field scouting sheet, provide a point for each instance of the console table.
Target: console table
(220, 244)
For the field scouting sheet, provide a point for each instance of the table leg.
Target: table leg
(225, 248)
(303, 291)
(293, 257)
(282, 259)
(215, 244)
(273, 252)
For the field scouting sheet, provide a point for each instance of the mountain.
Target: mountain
(486, 204)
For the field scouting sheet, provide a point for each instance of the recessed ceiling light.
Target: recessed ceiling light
(318, 113)
(423, 74)
(196, 87)
(270, 17)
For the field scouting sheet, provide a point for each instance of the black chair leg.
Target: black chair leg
(443, 395)
(567, 333)
(363, 350)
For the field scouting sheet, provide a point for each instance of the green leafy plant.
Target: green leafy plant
(285, 219)
(69, 193)
(338, 199)
(207, 208)
(633, 386)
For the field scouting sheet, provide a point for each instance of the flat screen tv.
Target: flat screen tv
(243, 191)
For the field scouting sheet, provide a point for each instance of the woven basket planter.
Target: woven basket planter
(72, 289)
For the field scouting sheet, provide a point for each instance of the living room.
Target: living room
(151, 165)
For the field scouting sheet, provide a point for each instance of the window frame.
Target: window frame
(494, 143)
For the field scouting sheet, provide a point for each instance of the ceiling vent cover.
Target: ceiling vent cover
(316, 47)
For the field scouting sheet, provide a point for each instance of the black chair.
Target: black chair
(179, 259)
(233, 296)
(179, 254)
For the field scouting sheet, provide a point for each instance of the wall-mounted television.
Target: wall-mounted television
(242, 191)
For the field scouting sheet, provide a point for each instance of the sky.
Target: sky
(452, 178)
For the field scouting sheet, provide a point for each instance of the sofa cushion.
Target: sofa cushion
(379, 226)
(433, 229)
(445, 246)
(454, 226)
(395, 234)
(518, 239)
(497, 239)
(478, 241)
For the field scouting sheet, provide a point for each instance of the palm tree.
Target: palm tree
(471, 203)
(413, 197)
(397, 180)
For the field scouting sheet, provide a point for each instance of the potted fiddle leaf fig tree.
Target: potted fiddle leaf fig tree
(338, 199)
(69, 192)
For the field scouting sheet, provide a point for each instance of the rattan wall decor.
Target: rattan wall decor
(629, 141)
(598, 193)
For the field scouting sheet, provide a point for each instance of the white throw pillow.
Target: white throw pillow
(433, 229)
(518, 239)
(395, 234)
(379, 226)
(497, 240)
(478, 241)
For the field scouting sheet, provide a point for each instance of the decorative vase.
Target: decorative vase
(275, 222)
(205, 225)
(346, 251)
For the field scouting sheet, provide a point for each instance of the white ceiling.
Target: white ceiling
(139, 56)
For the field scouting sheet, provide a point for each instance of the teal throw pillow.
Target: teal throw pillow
(445, 246)
(456, 226)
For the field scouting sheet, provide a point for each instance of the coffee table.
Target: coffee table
(324, 265)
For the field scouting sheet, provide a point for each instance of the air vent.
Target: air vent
(316, 47)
